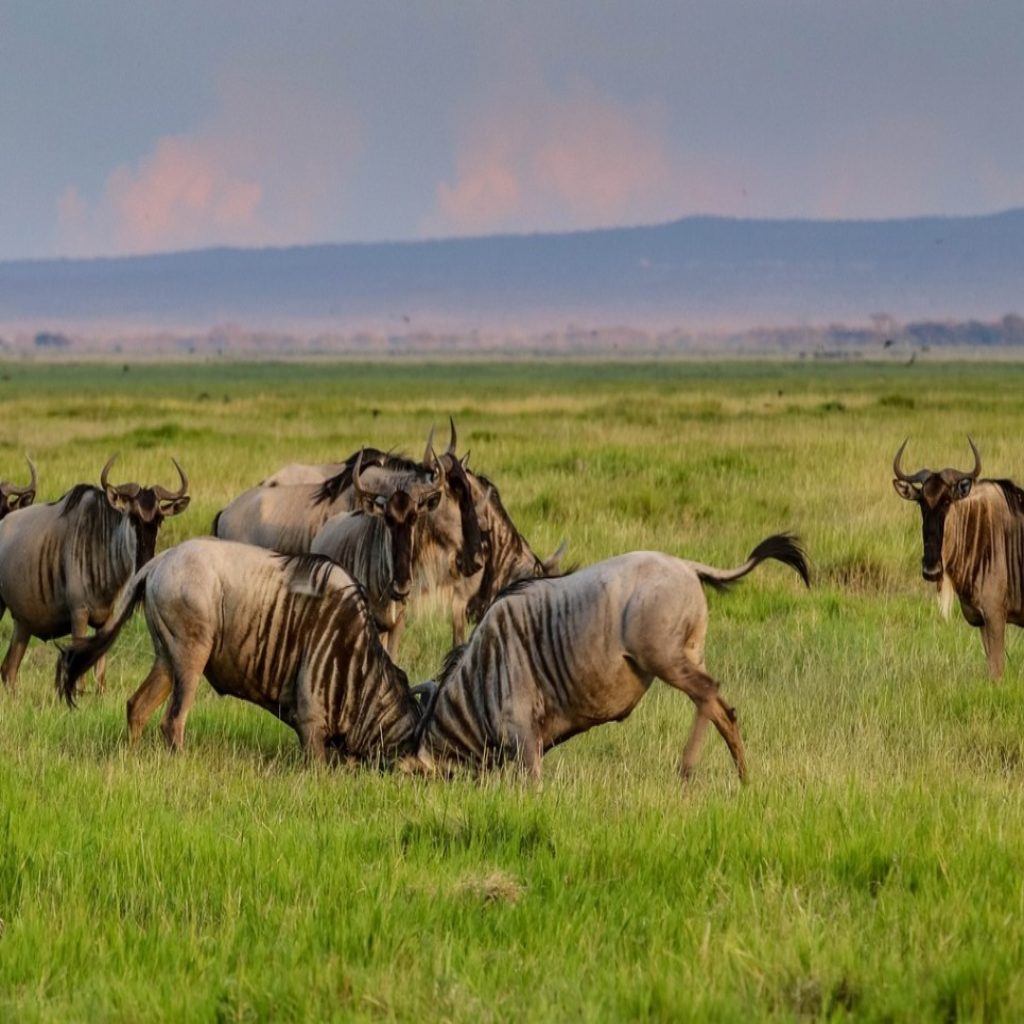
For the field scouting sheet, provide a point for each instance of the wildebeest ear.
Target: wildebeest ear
(117, 500)
(553, 563)
(962, 487)
(905, 490)
(174, 506)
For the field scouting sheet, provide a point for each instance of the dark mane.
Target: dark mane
(517, 587)
(494, 501)
(1013, 494)
(451, 659)
(73, 498)
(308, 573)
(342, 481)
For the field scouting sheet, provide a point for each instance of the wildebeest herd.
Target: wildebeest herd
(298, 600)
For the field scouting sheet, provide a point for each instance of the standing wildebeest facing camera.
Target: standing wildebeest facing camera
(973, 533)
(62, 565)
(291, 633)
(12, 497)
(380, 544)
(554, 657)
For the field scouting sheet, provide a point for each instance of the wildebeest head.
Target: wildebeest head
(470, 558)
(400, 512)
(147, 507)
(935, 493)
(13, 498)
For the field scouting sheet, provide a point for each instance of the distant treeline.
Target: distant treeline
(882, 333)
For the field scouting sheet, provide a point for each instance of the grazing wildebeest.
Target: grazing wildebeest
(973, 532)
(62, 565)
(292, 634)
(553, 657)
(286, 518)
(12, 498)
(381, 543)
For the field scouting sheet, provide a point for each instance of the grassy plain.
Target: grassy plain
(873, 868)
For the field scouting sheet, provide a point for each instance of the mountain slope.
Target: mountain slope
(702, 271)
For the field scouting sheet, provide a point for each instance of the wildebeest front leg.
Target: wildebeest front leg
(20, 637)
(993, 632)
(460, 621)
(395, 635)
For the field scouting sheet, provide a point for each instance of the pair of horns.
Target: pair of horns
(132, 489)
(365, 495)
(10, 491)
(430, 443)
(922, 474)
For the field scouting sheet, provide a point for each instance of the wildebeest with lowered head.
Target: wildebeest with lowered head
(554, 657)
(13, 497)
(292, 634)
(973, 534)
(62, 565)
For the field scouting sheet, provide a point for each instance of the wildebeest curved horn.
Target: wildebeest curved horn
(917, 477)
(361, 494)
(977, 460)
(165, 495)
(439, 474)
(451, 442)
(105, 470)
(429, 450)
(551, 563)
(9, 490)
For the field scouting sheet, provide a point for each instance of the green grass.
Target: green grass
(873, 868)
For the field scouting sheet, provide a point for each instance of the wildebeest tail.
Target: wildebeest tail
(216, 522)
(783, 547)
(82, 654)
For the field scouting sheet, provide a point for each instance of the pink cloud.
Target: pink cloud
(178, 192)
(270, 166)
(559, 162)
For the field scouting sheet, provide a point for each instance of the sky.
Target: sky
(131, 126)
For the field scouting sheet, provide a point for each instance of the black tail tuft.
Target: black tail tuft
(785, 548)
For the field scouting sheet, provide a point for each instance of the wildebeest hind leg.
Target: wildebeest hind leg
(20, 637)
(183, 693)
(703, 691)
(149, 696)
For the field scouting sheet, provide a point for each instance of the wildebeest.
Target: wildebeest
(286, 518)
(553, 657)
(62, 565)
(292, 634)
(380, 544)
(12, 497)
(973, 533)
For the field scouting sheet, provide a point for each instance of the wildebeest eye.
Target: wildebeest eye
(433, 501)
(963, 487)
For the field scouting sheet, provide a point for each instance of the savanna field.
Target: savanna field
(873, 867)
